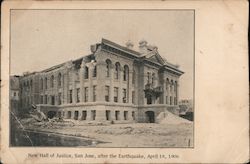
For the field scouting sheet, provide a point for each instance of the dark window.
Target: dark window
(107, 114)
(117, 70)
(52, 100)
(107, 93)
(94, 93)
(70, 96)
(59, 98)
(86, 73)
(84, 115)
(86, 94)
(95, 72)
(45, 99)
(133, 115)
(125, 115)
(117, 115)
(125, 73)
(93, 114)
(115, 94)
(148, 77)
(41, 99)
(78, 95)
(108, 67)
(124, 97)
(59, 80)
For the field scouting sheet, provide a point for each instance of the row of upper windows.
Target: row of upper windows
(117, 72)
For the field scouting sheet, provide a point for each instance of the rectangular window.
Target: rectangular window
(115, 94)
(117, 115)
(78, 95)
(94, 72)
(45, 99)
(70, 96)
(52, 100)
(170, 100)
(86, 73)
(84, 115)
(125, 115)
(133, 115)
(133, 97)
(107, 114)
(166, 99)
(124, 93)
(86, 94)
(93, 114)
(41, 100)
(107, 93)
(59, 98)
(94, 93)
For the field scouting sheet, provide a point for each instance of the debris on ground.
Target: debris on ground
(169, 118)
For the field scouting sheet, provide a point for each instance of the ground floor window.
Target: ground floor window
(52, 100)
(93, 114)
(59, 98)
(76, 115)
(45, 99)
(125, 115)
(133, 115)
(41, 100)
(59, 114)
(117, 115)
(107, 114)
(170, 100)
(84, 115)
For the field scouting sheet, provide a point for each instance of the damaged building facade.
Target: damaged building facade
(113, 83)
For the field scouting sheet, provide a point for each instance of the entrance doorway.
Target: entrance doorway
(51, 114)
(150, 116)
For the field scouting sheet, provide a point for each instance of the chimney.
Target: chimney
(129, 44)
(143, 46)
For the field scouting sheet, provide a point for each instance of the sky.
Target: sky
(43, 38)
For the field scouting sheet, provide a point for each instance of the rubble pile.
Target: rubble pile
(169, 118)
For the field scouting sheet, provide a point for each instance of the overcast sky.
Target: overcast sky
(44, 38)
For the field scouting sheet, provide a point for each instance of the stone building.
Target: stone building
(113, 82)
(14, 94)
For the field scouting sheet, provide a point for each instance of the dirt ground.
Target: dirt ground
(122, 135)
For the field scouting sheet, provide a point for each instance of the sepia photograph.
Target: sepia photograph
(102, 78)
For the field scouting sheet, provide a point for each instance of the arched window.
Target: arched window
(117, 70)
(95, 71)
(86, 73)
(46, 83)
(108, 67)
(125, 73)
(52, 81)
(171, 86)
(41, 84)
(175, 86)
(133, 77)
(167, 84)
(59, 80)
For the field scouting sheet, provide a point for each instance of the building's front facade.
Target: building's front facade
(113, 83)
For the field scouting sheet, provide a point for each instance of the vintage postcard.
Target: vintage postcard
(124, 82)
